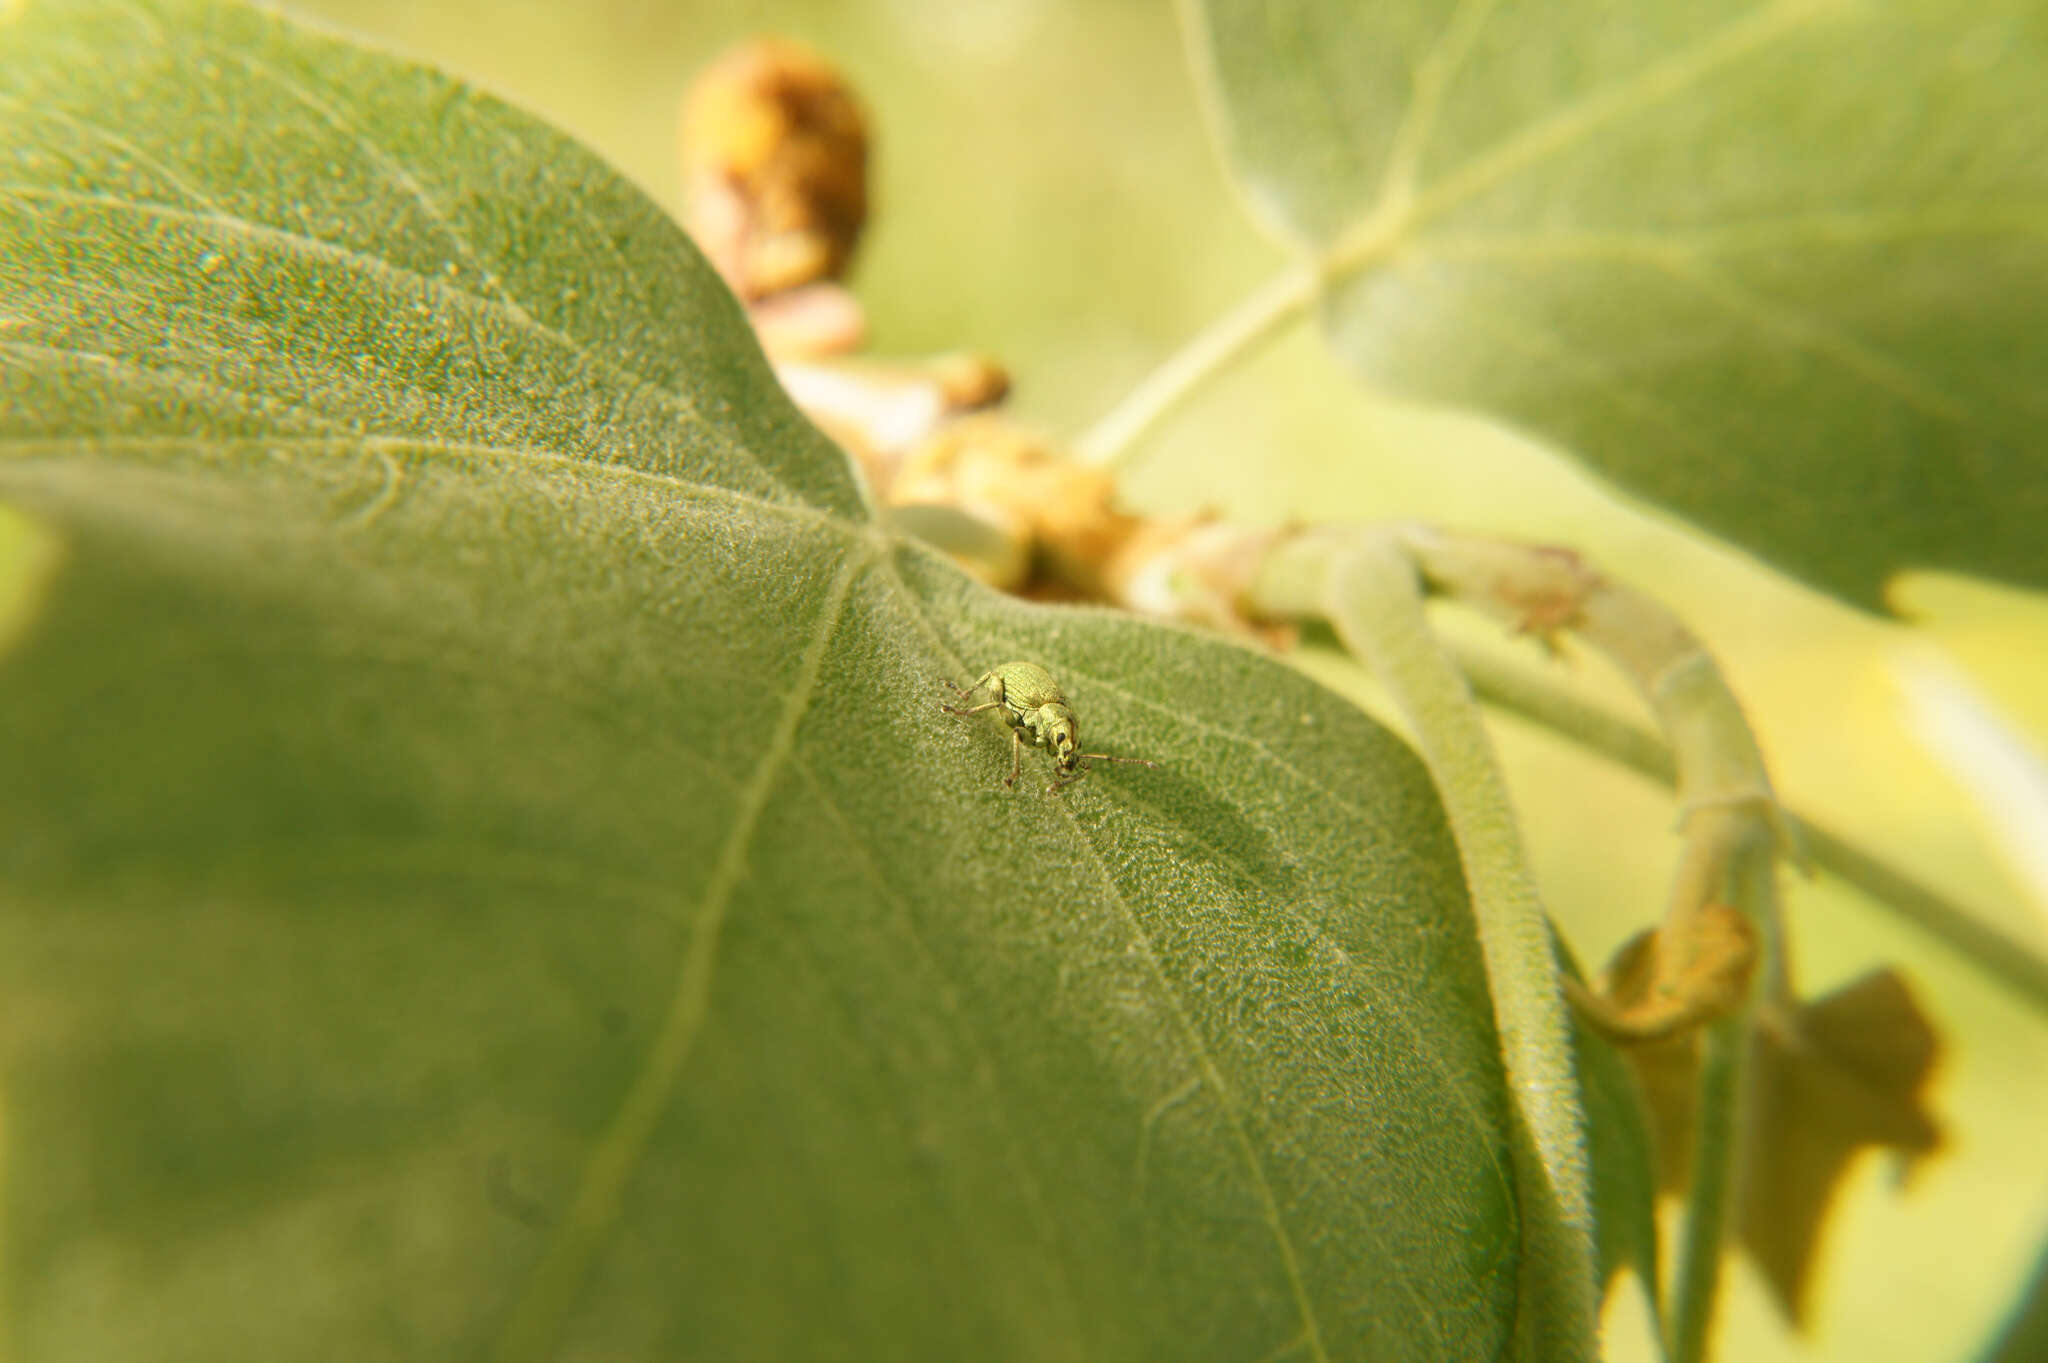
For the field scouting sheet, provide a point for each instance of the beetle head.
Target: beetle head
(1063, 735)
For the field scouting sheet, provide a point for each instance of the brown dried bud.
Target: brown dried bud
(1012, 478)
(775, 156)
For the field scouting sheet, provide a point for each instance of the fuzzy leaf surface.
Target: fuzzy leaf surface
(485, 873)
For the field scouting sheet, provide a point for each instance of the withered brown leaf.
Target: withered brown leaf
(1656, 988)
(1829, 1078)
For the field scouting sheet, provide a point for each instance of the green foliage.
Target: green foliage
(2025, 1333)
(485, 865)
(1777, 265)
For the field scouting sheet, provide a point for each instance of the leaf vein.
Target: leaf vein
(390, 166)
(119, 143)
(1653, 85)
(1596, 377)
(1212, 1075)
(1434, 76)
(33, 448)
(537, 1321)
(1336, 800)
(985, 1069)
(1790, 324)
(1842, 348)
(1848, 227)
(326, 252)
(176, 382)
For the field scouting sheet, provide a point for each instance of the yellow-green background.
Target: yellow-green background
(1046, 193)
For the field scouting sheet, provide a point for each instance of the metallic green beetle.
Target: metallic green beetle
(1037, 712)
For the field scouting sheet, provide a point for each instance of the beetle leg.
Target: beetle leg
(971, 693)
(1016, 757)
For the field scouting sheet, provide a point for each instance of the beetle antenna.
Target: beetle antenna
(1110, 757)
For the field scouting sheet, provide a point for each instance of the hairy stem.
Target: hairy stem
(1369, 591)
(1717, 1129)
(1266, 312)
(1709, 1200)
(1522, 691)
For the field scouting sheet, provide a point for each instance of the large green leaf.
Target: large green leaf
(1779, 265)
(484, 868)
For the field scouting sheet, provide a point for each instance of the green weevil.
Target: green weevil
(1037, 712)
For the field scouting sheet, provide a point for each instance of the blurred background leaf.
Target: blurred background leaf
(1780, 267)
(2025, 1333)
